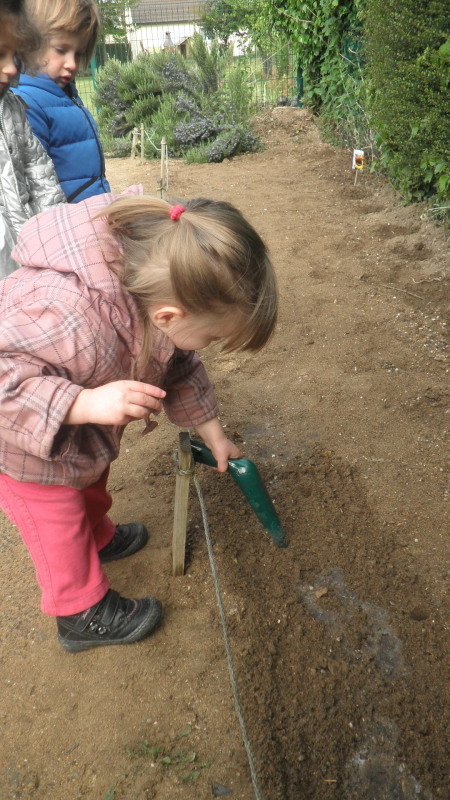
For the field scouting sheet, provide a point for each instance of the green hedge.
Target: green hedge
(408, 51)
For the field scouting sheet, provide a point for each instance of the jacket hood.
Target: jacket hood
(67, 239)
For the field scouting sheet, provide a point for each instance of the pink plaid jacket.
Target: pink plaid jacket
(66, 324)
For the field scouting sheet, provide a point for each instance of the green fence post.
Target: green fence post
(93, 68)
(299, 86)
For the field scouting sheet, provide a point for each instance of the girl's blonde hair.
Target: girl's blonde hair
(77, 17)
(25, 31)
(210, 261)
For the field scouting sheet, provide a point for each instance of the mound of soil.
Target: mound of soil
(337, 641)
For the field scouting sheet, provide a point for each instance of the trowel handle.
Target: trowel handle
(239, 468)
(203, 455)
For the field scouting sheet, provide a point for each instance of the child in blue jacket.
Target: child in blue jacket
(54, 110)
(28, 182)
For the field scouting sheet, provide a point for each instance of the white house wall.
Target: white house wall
(152, 36)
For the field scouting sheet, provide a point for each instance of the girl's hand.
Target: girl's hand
(222, 451)
(115, 403)
(221, 447)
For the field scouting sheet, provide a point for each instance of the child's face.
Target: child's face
(62, 58)
(194, 332)
(8, 50)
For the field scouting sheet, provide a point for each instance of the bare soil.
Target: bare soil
(338, 641)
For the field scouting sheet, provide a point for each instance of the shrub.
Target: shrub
(115, 147)
(408, 53)
(178, 100)
(206, 63)
(162, 123)
(196, 155)
(238, 93)
(231, 142)
(126, 95)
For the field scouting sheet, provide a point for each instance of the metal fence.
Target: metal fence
(155, 25)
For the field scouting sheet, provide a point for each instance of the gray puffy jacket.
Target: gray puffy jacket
(28, 182)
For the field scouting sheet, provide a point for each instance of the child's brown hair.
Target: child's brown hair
(210, 260)
(77, 17)
(13, 12)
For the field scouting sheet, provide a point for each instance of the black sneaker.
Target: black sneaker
(127, 539)
(113, 620)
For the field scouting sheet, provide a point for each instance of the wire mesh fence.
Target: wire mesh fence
(131, 28)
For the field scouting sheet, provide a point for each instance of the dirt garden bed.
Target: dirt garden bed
(339, 640)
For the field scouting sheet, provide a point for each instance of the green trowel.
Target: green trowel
(246, 476)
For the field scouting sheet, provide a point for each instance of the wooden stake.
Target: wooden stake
(184, 471)
(142, 142)
(133, 142)
(163, 163)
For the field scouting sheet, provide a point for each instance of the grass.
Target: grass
(183, 762)
(85, 89)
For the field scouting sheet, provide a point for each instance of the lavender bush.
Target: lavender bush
(184, 101)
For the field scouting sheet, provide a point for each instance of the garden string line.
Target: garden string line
(234, 690)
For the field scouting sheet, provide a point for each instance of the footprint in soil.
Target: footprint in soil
(374, 771)
(376, 639)
(375, 774)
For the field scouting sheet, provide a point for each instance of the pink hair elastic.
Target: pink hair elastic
(176, 212)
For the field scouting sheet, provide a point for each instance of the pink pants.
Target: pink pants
(63, 529)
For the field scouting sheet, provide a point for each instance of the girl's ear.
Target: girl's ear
(163, 316)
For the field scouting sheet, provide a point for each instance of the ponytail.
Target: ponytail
(207, 258)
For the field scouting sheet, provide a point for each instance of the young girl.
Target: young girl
(54, 110)
(97, 329)
(28, 182)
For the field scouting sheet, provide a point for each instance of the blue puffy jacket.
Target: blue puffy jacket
(68, 133)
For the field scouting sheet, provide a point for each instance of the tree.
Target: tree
(112, 16)
(221, 19)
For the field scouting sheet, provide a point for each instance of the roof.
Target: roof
(153, 12)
